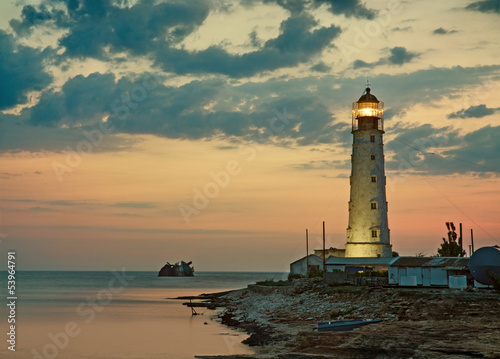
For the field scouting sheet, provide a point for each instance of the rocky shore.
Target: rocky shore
(418, 322)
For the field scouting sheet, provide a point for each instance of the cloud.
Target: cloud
(358, 64)
(70, 203)
(7, 175)
(126, 215)
(321, 67)
(402, 29)
(134, 205)
(93, 26)
(31, 17)
(481, 148)
(349, 8)
(442, 31)
(485, 6)
(323, 165)
(21, 71)
(294, 6)
(80, 100)
(101, 30)
(306, 110)
(40, 209)
(97, 25)
(297, 42)
(443, 151)
(474, 112)
(397, 56)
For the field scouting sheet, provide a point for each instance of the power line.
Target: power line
(444, 196)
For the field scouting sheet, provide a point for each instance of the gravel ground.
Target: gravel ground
(418, 322)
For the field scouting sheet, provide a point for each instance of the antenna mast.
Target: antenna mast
(368, 84)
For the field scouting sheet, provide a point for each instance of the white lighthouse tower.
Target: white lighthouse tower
(368, 231)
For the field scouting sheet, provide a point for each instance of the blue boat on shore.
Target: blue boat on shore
(344, 325)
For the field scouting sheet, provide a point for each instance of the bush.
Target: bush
(316, 274)
(295, 276)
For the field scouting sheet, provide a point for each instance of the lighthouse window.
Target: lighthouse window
(374, 179)
(372, 138)
(374, 234)
(373, 156)
(374, 205)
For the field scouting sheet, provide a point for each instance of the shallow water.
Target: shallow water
(104, 315)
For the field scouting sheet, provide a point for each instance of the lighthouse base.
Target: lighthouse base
(371, 250)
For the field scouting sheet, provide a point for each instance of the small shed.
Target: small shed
(300, 265)
(427, 271)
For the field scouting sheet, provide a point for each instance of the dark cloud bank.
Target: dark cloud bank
(215, 105)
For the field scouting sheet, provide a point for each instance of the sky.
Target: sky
(133, 133)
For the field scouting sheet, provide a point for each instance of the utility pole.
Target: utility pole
(324, 254)
(307, 254)
(460, 242)
(472, 240)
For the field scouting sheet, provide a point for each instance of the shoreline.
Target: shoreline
(417, 323)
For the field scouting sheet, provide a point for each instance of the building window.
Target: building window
(374, 234)
(373, 157)
(374, 205)
(374, 179)
(372, 138)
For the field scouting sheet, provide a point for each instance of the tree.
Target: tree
(451, 247)
(395, 254)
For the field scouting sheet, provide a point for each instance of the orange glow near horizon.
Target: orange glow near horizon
(106, 204)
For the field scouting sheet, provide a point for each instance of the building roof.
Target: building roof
(367, 97)
(353, 261)
(449, 263)
(303, 258)
(410, 261)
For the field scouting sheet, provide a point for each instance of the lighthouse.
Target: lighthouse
(368, 230)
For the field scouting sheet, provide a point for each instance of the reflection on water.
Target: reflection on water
(79, 315)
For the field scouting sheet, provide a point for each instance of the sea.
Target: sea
(117, 314)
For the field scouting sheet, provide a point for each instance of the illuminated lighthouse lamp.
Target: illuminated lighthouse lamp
(368, 113)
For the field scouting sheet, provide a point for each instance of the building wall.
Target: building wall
(330, 252)
(439, 276)
(300, 266)
(415, 272)
(362, 218)
(426, 276)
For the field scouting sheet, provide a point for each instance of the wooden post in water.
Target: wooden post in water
(307, 254)
(324, 253)
(472, 240)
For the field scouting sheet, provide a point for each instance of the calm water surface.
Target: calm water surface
(106, 315)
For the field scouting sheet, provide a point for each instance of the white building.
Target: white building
(368, 231)
(427, 271)
(300, 266)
